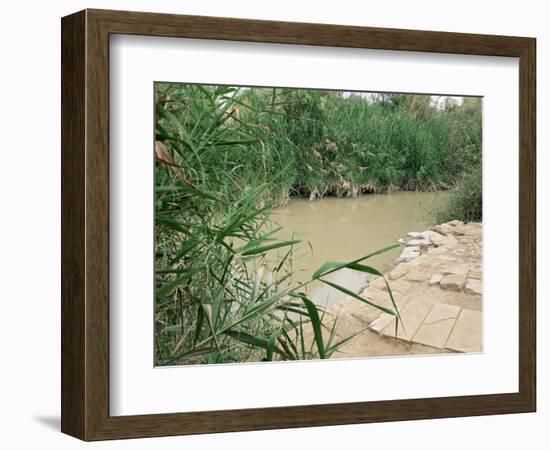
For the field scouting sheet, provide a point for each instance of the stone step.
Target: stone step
(437, 325)
(412, 317)
(466, 335)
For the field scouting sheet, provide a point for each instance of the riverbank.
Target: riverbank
(437, 284)
(355, 227)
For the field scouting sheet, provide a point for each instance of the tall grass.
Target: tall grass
(465, 202)
(322, 143)
(347, 145)
(224, 285)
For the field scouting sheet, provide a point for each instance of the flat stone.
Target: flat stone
(378, 283)
(398, 272)
(475, 274)
(382, 297)
(417, 276)
(455, 269)
(437, 251)
(449, 242)
(434, 237)
(412, 316)
(437, 325)
(457, 232)
(409, 253)
(466, 335)
(379, 324)
(345, 325)
(473, 286)
(454, 223)
(359, 311)
(443, 229)
(415, 234)
(419, 242)
(447, 258)
(436, 278)
(453, 282)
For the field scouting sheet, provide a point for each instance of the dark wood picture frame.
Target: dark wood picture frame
(85, 224)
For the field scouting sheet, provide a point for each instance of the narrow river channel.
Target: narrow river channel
(342, 229)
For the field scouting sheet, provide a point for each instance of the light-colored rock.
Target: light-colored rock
(417, 275)
(362, 312)
(379, 324)
(378, 283)
(437, 325)
(419, 242)
(454, 223)
(398, 272)
(453, 282)
(443, 229)
(436, 278)
(434, 237)
(345, 325)
(415, 234)
(475, 274)
(449, 242)
(466, 335)
(455, 269)
(473, 286)
(412, 316)
(415, 262)
(382, 297)
(409, 253)
(457, 232)
(437, 251)
(447, 258)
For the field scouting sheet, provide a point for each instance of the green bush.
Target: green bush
(466, 201)
(224, 287)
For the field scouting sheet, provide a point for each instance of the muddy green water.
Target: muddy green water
(345, 229)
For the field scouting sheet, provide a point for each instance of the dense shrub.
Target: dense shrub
(465, 202)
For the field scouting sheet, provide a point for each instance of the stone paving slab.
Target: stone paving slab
(453, 282)
(412, 317)
(398, 272)
(436, 278)
(473, 286)
(437, 325)
(475, 274)
(466, 335)
(416, 276)
(382, 322)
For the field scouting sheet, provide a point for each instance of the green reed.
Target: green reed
(224, 287)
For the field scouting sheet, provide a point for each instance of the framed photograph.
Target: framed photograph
(272, 225)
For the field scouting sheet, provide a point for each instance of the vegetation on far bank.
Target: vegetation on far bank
(225, 157)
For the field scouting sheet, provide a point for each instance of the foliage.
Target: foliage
(224, 288)
(466, 200)
(322, 143)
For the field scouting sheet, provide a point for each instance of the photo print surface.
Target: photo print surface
(300, 224)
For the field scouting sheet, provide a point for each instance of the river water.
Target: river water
(342, 229)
